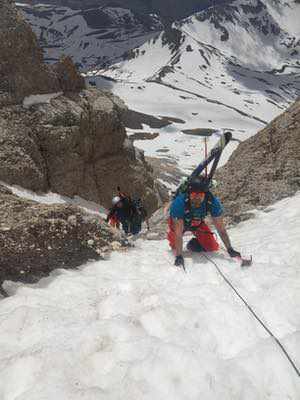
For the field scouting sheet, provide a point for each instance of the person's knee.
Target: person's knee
(206, 239)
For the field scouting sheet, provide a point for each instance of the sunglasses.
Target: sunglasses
(197, 195)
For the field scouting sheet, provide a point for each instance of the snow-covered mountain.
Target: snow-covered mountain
(263, 35)
(172, 9)
(233, 66)
(99, 32)
(91, 36)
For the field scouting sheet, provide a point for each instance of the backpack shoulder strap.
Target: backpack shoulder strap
(208, 201)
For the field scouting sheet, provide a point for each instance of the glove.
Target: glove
(233, 253)
(179, 261)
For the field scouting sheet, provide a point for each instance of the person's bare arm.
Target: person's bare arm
(220, 226)
(178, 228)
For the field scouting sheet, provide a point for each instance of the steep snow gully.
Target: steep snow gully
(136, 327)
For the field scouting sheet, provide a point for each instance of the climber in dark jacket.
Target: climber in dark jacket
(128, 213)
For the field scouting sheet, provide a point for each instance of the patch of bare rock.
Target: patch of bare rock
(144, 136)
(135, 120)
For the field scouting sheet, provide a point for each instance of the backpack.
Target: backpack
(140, 209)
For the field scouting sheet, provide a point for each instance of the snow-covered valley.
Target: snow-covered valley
(136, 327)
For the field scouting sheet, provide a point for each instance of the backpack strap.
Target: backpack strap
(188, 217)
(208, 202)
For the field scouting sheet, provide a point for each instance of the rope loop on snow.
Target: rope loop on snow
(255, 315)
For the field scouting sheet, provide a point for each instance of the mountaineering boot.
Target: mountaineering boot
(179, 261)
(194, 245)
(233, 253)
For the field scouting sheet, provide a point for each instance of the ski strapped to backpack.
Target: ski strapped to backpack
(214, 156)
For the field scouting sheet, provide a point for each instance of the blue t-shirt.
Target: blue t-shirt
(177, 209)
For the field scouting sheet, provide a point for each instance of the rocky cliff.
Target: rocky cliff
(73, 146)
(264, 168)
(22, 70)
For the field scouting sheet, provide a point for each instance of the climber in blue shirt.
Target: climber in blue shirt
(187, 213)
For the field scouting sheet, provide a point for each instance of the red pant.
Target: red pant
(203, 234)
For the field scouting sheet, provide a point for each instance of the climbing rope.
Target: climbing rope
(255, 315)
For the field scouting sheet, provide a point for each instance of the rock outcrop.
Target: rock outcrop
(263, 169)
(22, 71)
(37, 238)
(73, 146)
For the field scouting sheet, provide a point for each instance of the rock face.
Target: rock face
(35, 238)
(22, 71)
(264, 168)
(73, 146)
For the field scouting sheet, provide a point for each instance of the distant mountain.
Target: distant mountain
(255, 40)
(175, 9)
(99, 32)
(92, 37)
(262, 34)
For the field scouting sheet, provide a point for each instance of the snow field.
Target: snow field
(136, 327)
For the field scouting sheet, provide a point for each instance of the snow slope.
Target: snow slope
(87, 206)
(136, 327)
(234, 67)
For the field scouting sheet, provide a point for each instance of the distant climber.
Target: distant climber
(128, 213)
(187, 213)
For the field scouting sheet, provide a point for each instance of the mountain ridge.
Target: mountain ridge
(100, 32)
